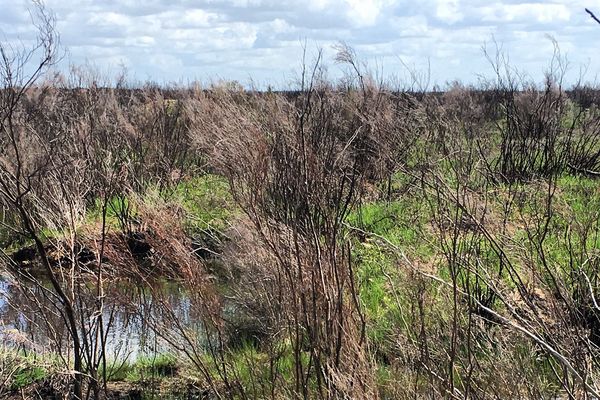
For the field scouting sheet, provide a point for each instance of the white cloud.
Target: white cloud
(319, 5)
(190, 39)
(365, 12)
(110, 19)
(526, 12)
(449, 11)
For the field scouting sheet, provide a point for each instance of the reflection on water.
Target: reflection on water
(132, 314)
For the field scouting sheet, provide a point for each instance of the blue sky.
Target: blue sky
(180, 41)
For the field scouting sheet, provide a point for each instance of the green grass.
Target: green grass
(375, 292)
(207, 202)
(253, 369)
(19, 370)
(28, 375)
(401, 222)
(581, 195)
(380, 275)
(155, 366)
(118, 208)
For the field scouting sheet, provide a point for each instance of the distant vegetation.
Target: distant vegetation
(342, 240)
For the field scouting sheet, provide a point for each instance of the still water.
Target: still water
(137, 319)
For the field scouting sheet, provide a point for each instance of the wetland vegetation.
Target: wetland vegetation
(346, 239)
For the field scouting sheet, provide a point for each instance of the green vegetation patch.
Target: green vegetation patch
(207, 201)
(28, 375)
(19, 370)
(144, 367)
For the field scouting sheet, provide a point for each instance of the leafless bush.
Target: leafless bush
(496, 279)
(513, 283)
(297, 169)
(538, 126)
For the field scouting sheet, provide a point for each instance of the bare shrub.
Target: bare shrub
(296, 170)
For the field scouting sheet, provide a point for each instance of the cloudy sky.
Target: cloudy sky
(262, 40)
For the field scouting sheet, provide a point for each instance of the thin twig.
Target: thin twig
(592, 15)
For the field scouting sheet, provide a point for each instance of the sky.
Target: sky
(262, 41)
